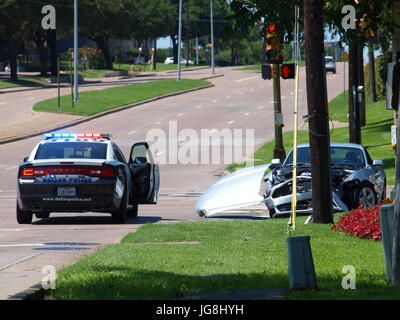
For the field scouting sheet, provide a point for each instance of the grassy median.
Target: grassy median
(92, 102)
(376, 135)
(227, 255)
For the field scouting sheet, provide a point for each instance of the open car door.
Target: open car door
(145, 174)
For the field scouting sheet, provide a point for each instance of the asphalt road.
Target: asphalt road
(239, 100)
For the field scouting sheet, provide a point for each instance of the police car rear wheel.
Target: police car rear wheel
(120, 215)
(24, 217)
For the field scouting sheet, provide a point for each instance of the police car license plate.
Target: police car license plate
(66, 192)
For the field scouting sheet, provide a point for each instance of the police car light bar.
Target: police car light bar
(77, 135)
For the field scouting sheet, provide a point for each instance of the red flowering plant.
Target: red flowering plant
(362, 222)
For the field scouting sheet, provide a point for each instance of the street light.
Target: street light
(76, 98)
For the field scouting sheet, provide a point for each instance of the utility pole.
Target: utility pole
(396, 230)
(317, 111)
(197, 50)
(354, 111)
(212, 37)
(360, 74)
(279, 150)
(372, 76)
(76, 97)
(187, 33)
(179, 41)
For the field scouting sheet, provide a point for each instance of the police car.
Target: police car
(85, 172)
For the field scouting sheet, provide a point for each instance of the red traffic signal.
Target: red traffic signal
(272, 29)
(288, 71)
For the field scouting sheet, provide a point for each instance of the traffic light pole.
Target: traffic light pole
(354, 106)
(279, 150)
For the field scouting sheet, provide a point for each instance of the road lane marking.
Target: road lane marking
(260, 107)
(22, 245)
(12, 230)
(180, 115)
(199, 107)
(230, 122)
(3, 102)
(215, 101)
(159, 153)
(247, 113)
(228, 97)
(132, 132)
(245, 79)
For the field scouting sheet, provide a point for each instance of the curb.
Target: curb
(36, 292)
(101, 114)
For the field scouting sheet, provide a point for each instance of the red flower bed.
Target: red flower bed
(363, 223)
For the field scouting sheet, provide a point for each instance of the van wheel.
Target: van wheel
(24, 217)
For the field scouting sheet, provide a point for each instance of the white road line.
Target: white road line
(132, 132)
(12, 229)
(228, 97)
(9, 168)
(22, 245)
(180, 115)
(3, 102)
(245, 79)
(260, 107)
(199, 107)
(215, 101)
(230, 122)
(247, 113)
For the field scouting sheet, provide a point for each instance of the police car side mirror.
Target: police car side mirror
(25, 159)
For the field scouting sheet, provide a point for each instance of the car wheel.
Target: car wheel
(133, 212)
(271, 212)
(24, 217)
(120, 215)
(364, 195)
(42, 215)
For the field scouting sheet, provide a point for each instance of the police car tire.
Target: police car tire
(120, 215)
(133, 212)
(24, 217)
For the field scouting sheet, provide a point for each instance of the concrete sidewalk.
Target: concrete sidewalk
(18, 120)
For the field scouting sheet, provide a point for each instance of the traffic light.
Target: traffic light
(266, 72)
(272, 45)
(288, 71)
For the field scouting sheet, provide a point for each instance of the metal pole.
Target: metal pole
(197, 50)
(58, 81)
(76, 98)
(179, 41)
(212, 37)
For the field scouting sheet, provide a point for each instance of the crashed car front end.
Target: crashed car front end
(278, 198)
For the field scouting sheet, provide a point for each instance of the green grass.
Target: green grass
(376, 135)
(92, 102)
(23, 81)
(240, 254)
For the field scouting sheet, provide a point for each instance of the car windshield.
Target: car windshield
(65, 150)
(340, 156)
(328, 60)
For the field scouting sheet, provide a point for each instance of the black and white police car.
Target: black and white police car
(85, 172)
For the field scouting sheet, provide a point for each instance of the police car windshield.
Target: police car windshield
(75, 150)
